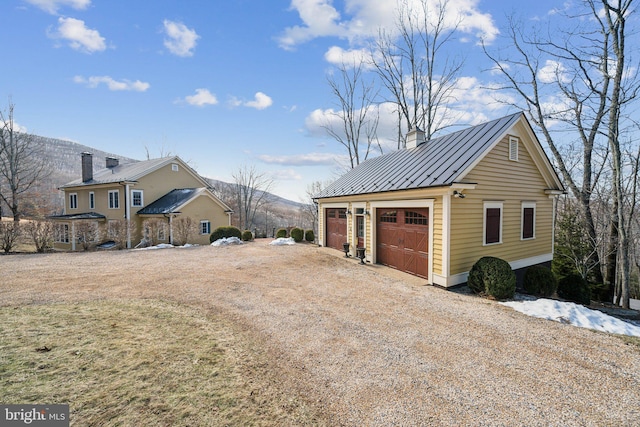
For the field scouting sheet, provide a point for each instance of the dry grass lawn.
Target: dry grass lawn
(263, 335)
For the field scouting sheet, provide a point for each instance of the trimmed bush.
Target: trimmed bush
(309, 236)
(540, 281)
(574, 288)
(281, 233)
(492, 277)
(247, 236)
(297, 234)
(224, 232)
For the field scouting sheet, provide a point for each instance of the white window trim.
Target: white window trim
(205, 221)
(73, 197)
(141, 198)
(491, 205)
(92, 200)
(174, 167)
(109, 199)
(522, 208)
(513, 148)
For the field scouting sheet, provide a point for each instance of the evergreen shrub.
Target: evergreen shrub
(225, 232)
(540, 281)
(297, 234)
(281, 233)
(493, 277)
(309, 236)
(247, 236)
(574, 288)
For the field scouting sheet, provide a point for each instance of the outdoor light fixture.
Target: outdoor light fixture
(458, 194)
(367, 213)
(348, 212)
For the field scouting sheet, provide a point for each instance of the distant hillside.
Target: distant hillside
(64, 158)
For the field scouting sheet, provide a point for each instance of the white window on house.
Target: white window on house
(114, 199)
(492, 224)
(61, 233)
(513, 148)
(528, 221)
(174, 167)
(137, 200)
(92, 200)
(205, 227)
(73, 201)
(162, 233)
(112, 229)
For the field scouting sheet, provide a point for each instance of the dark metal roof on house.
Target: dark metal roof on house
(79, 216)
(435, 163)
(171, 201)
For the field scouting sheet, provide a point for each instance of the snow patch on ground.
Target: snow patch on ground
(283, 241)
(226, 241)
(574, 314)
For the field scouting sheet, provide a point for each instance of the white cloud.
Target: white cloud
(285, 175)
(339, 56)
(260, 102)
(309, 159)
(52, 6)
(361, 19)
(553, 71)
(112, 84)
(180, 40)
(79, 36)
(201, 98)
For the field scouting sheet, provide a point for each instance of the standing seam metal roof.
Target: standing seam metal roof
(437, 162)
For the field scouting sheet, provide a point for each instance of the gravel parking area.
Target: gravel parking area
(366, 345)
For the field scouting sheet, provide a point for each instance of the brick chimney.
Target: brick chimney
(112, 162)
(415, 137)
(87, 167)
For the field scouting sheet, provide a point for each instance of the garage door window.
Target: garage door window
(389, 216)
(415, 218)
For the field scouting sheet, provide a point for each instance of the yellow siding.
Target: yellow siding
(510, 182)
(437, 236)
(204, 208)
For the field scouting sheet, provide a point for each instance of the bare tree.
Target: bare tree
(310, 207)
(41, 233)
(251, 193)
(355, 123)
(87, 233)
(154, 231)
(416, 67)
(120, 230)
(22, 164)
(585, 67)
(183, 229)
(10, 231)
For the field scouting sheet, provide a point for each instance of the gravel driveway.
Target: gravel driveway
(366, 344)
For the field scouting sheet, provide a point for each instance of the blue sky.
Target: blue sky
(222, 84)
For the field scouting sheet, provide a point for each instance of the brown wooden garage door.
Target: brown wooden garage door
(336, 220)
(403, 239)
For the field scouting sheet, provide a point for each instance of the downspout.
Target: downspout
(127, 214)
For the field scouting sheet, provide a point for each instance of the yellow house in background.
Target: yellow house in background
(436, 207)
(165, 188)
